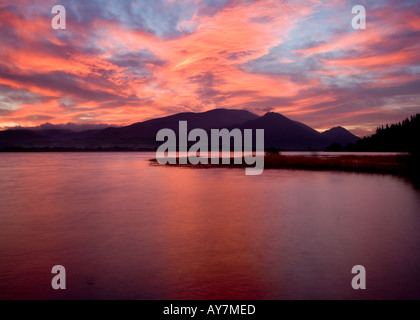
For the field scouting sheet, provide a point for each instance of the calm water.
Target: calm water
(339, 154)
(127, 230)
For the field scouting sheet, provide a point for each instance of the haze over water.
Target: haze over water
(124, 229)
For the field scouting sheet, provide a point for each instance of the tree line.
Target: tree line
(400, 137)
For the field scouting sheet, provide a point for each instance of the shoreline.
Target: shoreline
(398, 165)
(303, 153)
(80, 150)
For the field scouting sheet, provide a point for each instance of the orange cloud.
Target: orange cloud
(115, 72)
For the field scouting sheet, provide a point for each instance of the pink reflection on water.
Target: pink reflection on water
(125, 229)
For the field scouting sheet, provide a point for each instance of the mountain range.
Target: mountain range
(280, 132)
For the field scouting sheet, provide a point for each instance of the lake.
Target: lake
(124, 229)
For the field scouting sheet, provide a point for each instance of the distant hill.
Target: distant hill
(21, 138)
(400, 137)
(341, 136)
(68, 126)
(280, 132)
(145, 132)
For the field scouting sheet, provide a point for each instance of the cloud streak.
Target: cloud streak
(128, 61)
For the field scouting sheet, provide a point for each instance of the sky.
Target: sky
(121, 62)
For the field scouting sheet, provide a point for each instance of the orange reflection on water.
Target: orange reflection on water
(127, 230)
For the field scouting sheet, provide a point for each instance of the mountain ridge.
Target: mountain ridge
(280, 132)
(341, 136)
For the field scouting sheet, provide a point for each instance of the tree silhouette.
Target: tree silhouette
(401, 137)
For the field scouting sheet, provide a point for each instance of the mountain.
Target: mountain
(138, 135)
(69, 127)
(145, 132)
(280, 132)
(25, 138)
(341, 136)
(49, 138)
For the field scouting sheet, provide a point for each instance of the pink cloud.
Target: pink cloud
(119, 74)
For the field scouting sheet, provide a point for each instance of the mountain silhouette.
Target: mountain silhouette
(280, 132)
(21, 138)
(145, 132)
(74, 127)
(341, 136)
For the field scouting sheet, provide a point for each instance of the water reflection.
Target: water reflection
(125, 229)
